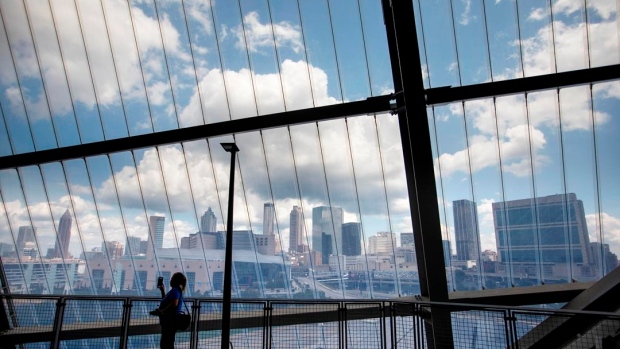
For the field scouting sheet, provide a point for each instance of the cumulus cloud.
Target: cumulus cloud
(258, 35)
(514, 146)
(606, 224)
(91, 57)
(303, 85)
(507, 114)
(466, 14)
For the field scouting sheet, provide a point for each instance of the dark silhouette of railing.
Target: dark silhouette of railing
(124, 322)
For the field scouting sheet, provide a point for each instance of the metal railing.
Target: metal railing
(124, 322)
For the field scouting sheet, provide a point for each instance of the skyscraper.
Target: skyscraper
(156, 234)
(296, 238)
(537, 230)
(64, 236)
(466, 232)
(382, 243)
(406, 240)
(132, 247)
(351, 239)
(114, 249)
(24, 235)
(208, 222)
(326, 220)
(269, 216)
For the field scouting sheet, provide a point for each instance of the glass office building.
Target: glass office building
(477, 126)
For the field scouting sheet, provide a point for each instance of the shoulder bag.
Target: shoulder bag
(183, 319)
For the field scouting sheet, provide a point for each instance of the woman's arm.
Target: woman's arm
(172, 302)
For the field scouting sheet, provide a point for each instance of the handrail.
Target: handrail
(127, 318)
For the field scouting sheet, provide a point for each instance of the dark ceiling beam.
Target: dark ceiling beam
(370, 105)
(518, 296)
(442, 95)
(553, 332)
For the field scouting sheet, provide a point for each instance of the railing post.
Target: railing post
(510, 326)
(382, 317)
(193, 335)
(125, 324)
(342, 323)
(60, 312)
(392, 325)
(267, 308)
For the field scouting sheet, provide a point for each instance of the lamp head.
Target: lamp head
(230, 147)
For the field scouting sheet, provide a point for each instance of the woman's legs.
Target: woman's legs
(168, 333)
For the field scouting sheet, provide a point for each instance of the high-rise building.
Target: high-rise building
(64, 236)
(113, 248)
(156, 230)
(156, 235)
(208, 241)
(296, 238)
(351, 239)
(25, 234)
(447, 252)
(269, 218)
(382, 243)
(326, 220)
(466, 232)
(406, 240)
(6, 250)
(208, 222)
(132, 247)
(537, 230)
(326, 247)
(184, 242)
(603, 258)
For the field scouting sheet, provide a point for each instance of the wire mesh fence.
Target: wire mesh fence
(115, 322)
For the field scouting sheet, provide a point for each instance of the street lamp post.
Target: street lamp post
(232, 149)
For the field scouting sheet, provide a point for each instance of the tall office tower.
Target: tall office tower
(132, 247)
(113, 248)
(537, 230)
(296, 238)
(603, 258)
(64, 236)
(406, 240)
(25, 234)
(351, 239)
(466, 230)
(447, 252)
(156, 230)
(326, 220)
(382, 243)
(326, 245)
(185, 242)
(208, 222)
(156, 235)
(6, 250)
(269, 218)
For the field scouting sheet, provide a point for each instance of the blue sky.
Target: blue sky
(111, 70)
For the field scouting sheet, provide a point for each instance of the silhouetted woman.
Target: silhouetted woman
(171, 304)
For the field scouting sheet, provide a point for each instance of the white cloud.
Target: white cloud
(96, 60)
(298, 93)
(603, 8)
(570, 47)
(515, 152)
(610, 229)
(509, 112)
(537, 14)
(466, 15)
(258, 35)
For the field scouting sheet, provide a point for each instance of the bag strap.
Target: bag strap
(186, 308)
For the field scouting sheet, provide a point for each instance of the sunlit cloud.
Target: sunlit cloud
(255, 35)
